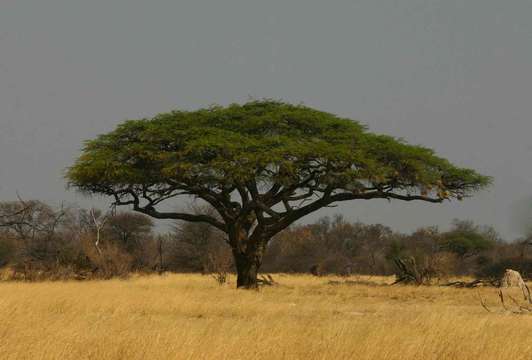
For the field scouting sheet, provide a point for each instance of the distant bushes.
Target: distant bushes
(424, 256)
(39, 242)
(496, 270)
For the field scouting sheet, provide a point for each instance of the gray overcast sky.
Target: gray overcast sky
(452, 75)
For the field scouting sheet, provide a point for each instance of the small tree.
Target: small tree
(262, 166)
(467, 240)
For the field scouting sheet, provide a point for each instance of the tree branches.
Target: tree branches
(261, 166)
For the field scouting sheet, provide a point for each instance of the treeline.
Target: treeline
(427, 254)
(40, 242)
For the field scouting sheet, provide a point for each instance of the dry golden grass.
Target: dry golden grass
(191, 317)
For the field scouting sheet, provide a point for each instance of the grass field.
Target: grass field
(191, 317)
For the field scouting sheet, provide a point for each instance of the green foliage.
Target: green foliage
(467, 239)
(263, 141)
(466, 242)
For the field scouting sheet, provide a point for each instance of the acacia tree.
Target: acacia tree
(262, 165)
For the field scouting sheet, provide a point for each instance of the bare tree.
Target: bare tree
(98, 221)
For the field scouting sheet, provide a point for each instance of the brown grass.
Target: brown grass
(191, 317)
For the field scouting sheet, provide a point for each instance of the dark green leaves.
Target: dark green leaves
(267, 142)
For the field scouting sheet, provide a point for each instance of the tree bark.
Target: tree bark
(248, 250)
(247, 267)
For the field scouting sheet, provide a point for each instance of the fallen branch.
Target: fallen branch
(266, 280)
(520, 309)
(472, 284)
(482, 302)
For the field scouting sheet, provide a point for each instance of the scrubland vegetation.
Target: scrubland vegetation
(191, 317)
(40, 242)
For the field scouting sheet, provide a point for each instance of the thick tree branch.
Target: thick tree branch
(180, 216)
(292, 215)
(151, 211)
(383, 195)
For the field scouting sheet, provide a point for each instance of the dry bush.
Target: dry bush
(444, 264)
(294, 250)
(425, 269)
(8, 248)
(110, 262)
(218, 262)
(198, 247)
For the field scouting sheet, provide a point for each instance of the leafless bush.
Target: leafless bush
(220, 277)
(198, 247)
(108, 261)
(218, 262)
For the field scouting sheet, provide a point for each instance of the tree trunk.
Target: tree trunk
(247, 253)
(247, 268)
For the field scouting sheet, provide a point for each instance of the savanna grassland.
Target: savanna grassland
(191, 317)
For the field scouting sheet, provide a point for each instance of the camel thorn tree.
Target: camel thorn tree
(262, 165)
